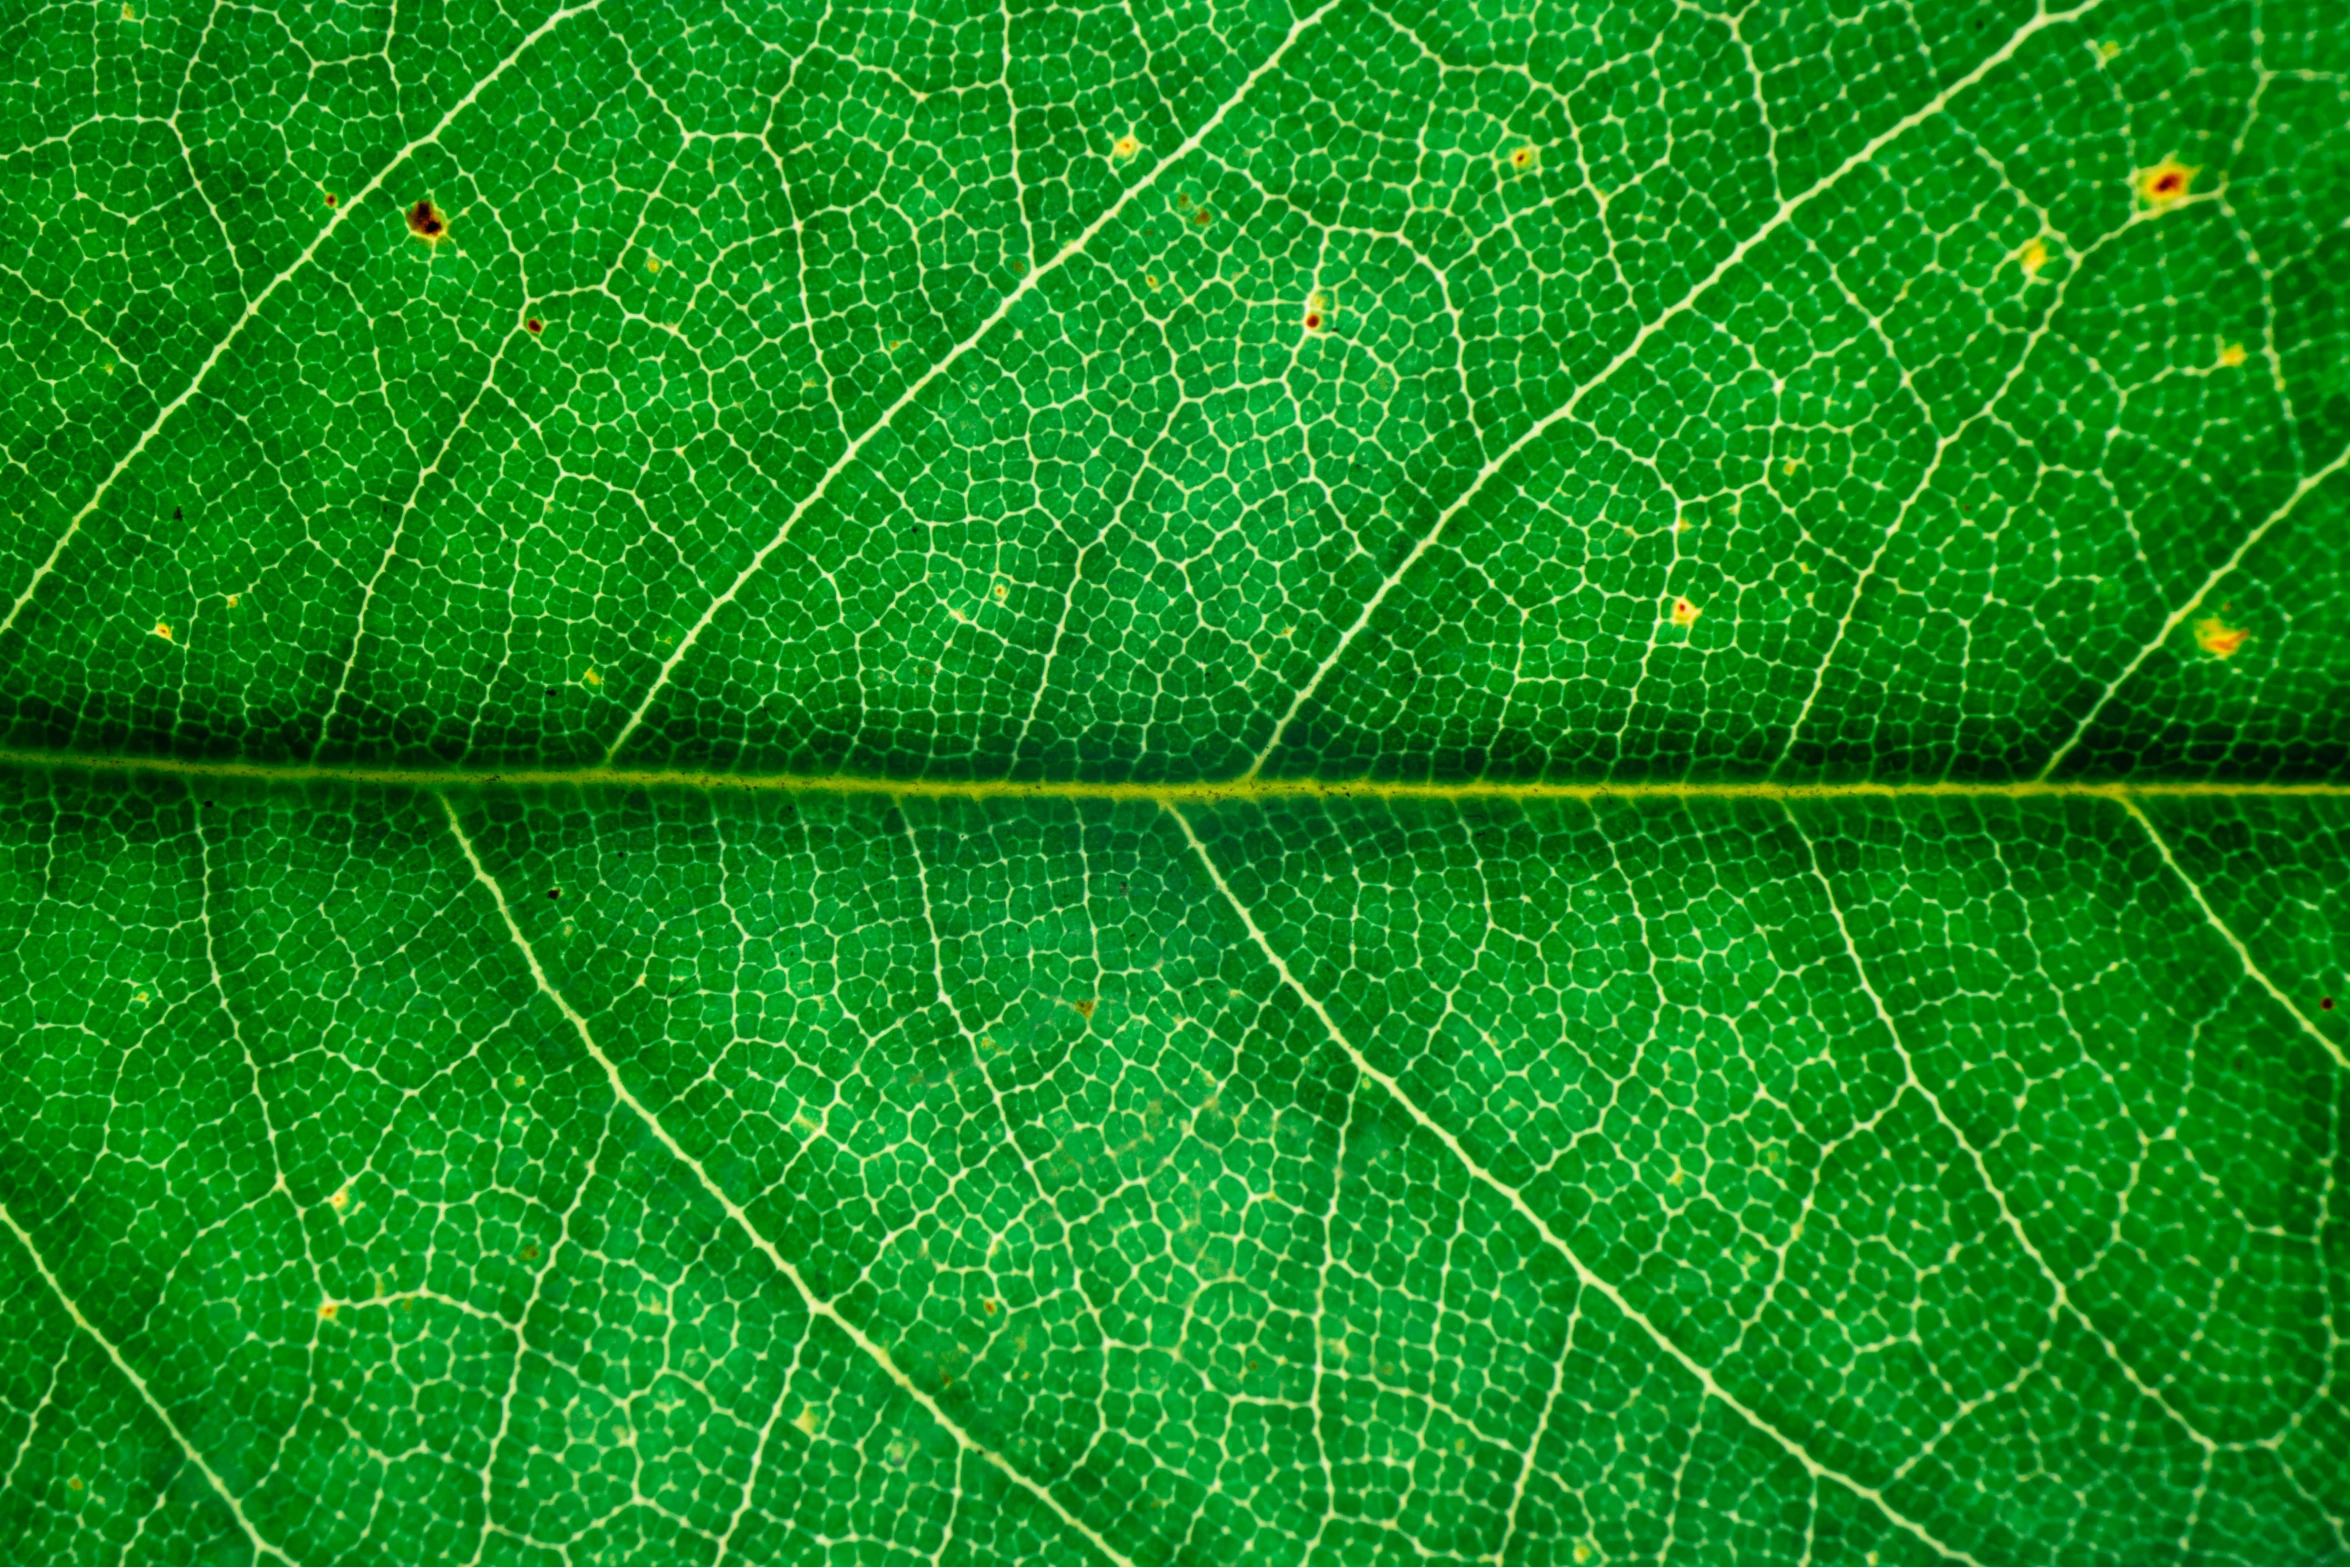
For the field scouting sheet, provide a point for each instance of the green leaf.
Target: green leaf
(1032, 784)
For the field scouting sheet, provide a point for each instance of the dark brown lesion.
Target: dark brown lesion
(425, 220)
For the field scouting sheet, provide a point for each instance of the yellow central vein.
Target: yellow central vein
(1550, 1237)
(236, 1508)
(816, 1305)
(1209, 792)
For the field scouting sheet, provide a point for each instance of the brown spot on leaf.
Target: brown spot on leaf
(2217, 638)
(1523, 158)
(534, 326)
(425, 221)
(1085, 1007)
(2165, 185)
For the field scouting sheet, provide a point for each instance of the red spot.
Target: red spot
(533, 324)
(1313, 323)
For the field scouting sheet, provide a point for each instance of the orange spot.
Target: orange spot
(2032, 258)
(2165, 185)
(1125, 147)
(328, 1311)
(163, 630)
(1684, 613)
(2218, 639)
(2232, 355)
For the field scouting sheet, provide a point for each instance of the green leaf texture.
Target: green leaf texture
(1207, 783)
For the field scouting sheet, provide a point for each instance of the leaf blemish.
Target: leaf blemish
(533, 326)
(2231, 355)
(1684, 613)
(1524, 158)
(1085, 1007)
(2033, 258)
(426, 223)
(1125, 147)
(2165, 185)
(2218, 638)
(163, 630)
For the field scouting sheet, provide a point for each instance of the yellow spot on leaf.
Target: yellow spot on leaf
(1125, 147)
(163, 630)
(1684, 613)
(652, 263)
(2232, 355)
(2165, 185)
(806, 1421)
(2107, 50)
(128, 15)
(1526, 157)
(1152, 278)
(592, 678)
(2217, 638)
(1001, 592)
(328, 1311)
(2032, 258)
(232, 599)
(340, 1200)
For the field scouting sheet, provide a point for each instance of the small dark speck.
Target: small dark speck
(175, 514)
(551, 690)
(554, 892)
(2327, 1005)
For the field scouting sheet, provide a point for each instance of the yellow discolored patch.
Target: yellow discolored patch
(1684, 613)
(327, 1311)
(592, 678)
(1525, 157)
(1086, 1007)
(1125, 147)
(2107, 50)
(2033, 258)
(1001, 592)
(340, 1200)
(2218, 638)
(652, 263)
(2232, 355)
(807, 1422)
(129, 15)
(232, 599)
(2165, 185)
(163, 630)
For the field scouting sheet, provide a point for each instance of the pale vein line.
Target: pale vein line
(1631, 350)
(2063, 1301)
(1026, 286)
(253, 308)
(815, 1304)
(2243, 953)
(139, 1385)
(296, 774)
(2225, 569)
(1517, 1202)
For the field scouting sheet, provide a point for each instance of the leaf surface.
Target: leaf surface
(1037, 784)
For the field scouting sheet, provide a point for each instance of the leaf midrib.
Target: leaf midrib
(1201, 792)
